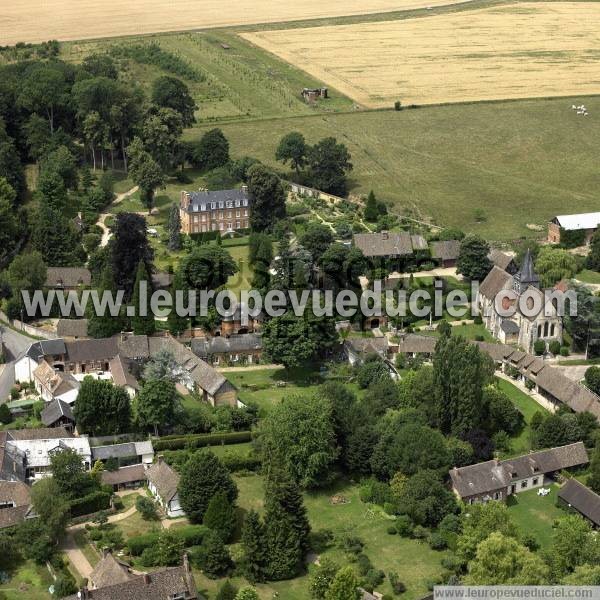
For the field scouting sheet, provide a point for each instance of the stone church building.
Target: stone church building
(518, 329)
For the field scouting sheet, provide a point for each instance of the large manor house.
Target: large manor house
(223, 211)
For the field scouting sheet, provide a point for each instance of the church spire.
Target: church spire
(526, 276)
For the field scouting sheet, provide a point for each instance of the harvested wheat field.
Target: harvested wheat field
(525, 50)
(40, 20)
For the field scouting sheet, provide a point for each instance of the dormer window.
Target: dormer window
(221, 204)
(213, 205)
(245, 202)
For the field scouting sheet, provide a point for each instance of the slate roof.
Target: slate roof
(164, 479)
(496, 280)
(246, 342)
(129, 474)
(494, 475)
(480, 478)
(45, 348)
(546, 461)
(133, 346)
(384, 243)
(42, 433)
(574, 395)
(92, 350)
(54, 411)
(497, 352)
(57, 277)
(206, 377)
(11, 516)
(447, 250)
(76, 328)
(15, 491)
(412, 343)
(200, 201)
(582, 499)
(158, 585)
(122, 450)
(509, 326)
(364, 345)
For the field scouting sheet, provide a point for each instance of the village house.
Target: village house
(15, 503)
(446, 252)
(72, 329)
(162, 483)
(582, 225)
(518, 329)
(125, 478)
(575, 496)
(109, 571)
(174, 583)
(390, 244)
(68, 278)
(496, 480)
(359, 348)
(223, 211)
(415, 346)
(242, 349)
(58, 367)
(128, 453)
(58, 413)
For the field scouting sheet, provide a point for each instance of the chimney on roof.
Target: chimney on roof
(455, 470)
(160, 458)
(105, 552)
(385, 235)
(146, 578)
(245, 189)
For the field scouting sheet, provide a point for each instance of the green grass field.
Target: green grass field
(521, 443)
(519, 162)
(414, 561)
(28, 582)
(535, 514)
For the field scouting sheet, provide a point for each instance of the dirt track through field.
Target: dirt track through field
(524, 50)
(41, 20)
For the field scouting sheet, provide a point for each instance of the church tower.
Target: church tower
(526, 276)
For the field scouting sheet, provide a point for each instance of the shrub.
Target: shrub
(404, 526)
(352, 544)
(146, 508)
(539, 347)
(420, 532)
(529, 384)
(437, 541)
(373, 578)
(554, 347)
(5, 414)
(397, 105)
(397, 586)
(478, 320)
(94, 502)
(191, 535)
(392, 530)
(202, 440)
(363, 563)
(564, 351)
(137, 544)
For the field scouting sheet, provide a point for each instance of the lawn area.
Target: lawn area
(28, 582)
(261, 386)
(437, 159)
(469, 331)
(135, 525)
(588, 276)
(414, 561)
(528, 407)
(535, 514)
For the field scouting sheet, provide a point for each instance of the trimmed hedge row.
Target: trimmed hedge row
(202, 440)
(191, 535)
(233, 461)
(94, 502)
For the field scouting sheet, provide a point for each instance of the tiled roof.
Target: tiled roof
(164, 479)
(121, 374)
(109, 571)
(92, 350)
(128, 474)
(42, 433)
(365, 345)
(77, 328)
(384, 243)
(493, 475)
(423, 344)
(246, 342)
(122, 450)
(175, 582)
(501, 260)
(15, 491)
(497, 279)
(67, 277)
(54, 411)
(582, 499)
(447, 250)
